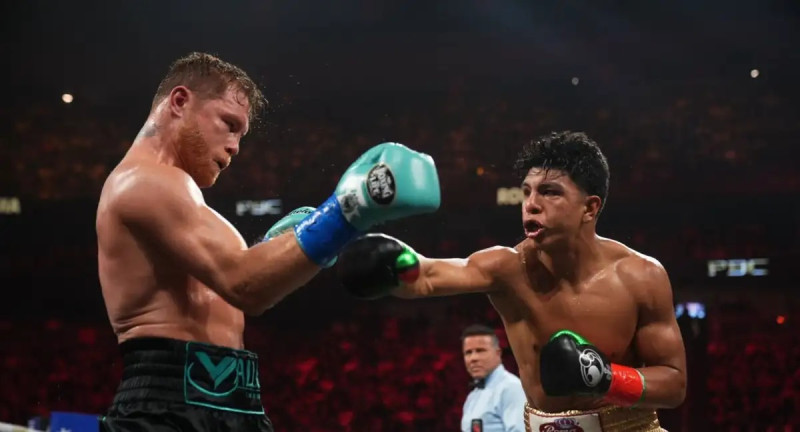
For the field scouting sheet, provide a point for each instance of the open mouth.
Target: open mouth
(533, 229)
(220, 165)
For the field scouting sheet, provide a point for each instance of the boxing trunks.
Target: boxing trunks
(172, 385)
(606, 419)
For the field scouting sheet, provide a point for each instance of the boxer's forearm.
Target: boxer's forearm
(665, 387)
(443, 277)
(422, 287)
(266, 273)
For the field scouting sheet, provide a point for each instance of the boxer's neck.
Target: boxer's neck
(157, 140)
(575, 260)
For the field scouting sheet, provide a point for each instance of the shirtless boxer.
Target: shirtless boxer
(177, 278)
(590, 321)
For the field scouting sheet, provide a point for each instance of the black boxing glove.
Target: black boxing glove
(570, 365)
(375, 264)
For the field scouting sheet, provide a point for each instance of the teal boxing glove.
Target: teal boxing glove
(389, 181)
(288, 222)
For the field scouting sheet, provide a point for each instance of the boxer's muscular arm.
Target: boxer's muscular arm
(443, 277)
(164, 209)
(658, 340)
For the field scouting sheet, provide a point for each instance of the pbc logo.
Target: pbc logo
(380, 184)
(561, 425)
(258, 208)
(738, 267)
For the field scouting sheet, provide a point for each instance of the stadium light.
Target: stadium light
(67, 98)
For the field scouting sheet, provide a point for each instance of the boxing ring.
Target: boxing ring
(58, 421)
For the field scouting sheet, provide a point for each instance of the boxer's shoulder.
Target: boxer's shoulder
(152, 180)
(496, 261)
(145, 186)
(637, 271)
(640, 267)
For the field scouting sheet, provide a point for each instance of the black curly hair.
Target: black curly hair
(574, 153)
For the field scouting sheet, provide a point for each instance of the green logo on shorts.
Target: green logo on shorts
(223, 379)
(217, 372)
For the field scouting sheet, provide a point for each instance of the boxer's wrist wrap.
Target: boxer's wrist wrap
(627, 386)
(323, 233)
(407, 266)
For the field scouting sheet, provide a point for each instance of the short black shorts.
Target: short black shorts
(172, 385)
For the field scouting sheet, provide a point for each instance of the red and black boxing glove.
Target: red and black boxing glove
(570, 365)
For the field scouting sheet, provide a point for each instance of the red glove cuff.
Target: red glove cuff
(627, 386)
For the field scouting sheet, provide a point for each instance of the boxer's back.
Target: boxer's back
(145, 292)
(533, 306)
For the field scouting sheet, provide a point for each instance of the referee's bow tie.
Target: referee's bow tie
(477, 383)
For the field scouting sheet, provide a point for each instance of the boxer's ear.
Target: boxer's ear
(179, 99)
(591, 208)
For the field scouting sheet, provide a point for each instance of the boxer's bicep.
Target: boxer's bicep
(177, 225)
(658, 337)
(658, 341)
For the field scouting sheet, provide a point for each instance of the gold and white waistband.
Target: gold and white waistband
(606, 419)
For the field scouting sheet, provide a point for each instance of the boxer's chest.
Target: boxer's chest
(601, 310)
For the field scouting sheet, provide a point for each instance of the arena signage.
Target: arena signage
(510, 196)
(10, 206)
(738, 267)
(258, 208)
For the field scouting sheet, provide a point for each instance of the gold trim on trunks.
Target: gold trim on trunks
(612, 418)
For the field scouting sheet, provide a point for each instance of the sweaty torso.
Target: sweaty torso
(533, 306)
(148, 294)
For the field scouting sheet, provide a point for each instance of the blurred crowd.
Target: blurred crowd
(688, 143)
(753, 366)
